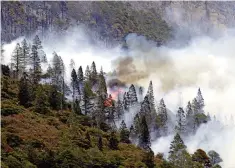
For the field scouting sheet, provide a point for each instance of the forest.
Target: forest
(49, 122)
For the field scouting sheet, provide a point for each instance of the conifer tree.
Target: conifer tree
(141, 93)
(100, 143)
(195, 106)
(214, 157)
(88, 73)
(102, 85)
(77, 108)
(200, 101)
(35, 62)
(86, 102)
(72, 64)
(24, 93)
(25, 54)
(208, 117)
(151, 97)
(113, 141)
(136, 125)
(181, 121)
(41, 101)
(132, 95)
(189, 118)
(162, 111)
(124, 133)
(126, 101)
(94, 74)
(73, 84)
(54, 98)
(119, 108)
(80, 74)
(144, 136)
(177, 150)
(17, 59)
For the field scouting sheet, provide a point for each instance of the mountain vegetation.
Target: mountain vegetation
(42, 127)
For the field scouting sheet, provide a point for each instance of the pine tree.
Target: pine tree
(86, 102)
(77, 108)
(136, 125)
(24, 93)
(189, 118)
(102, 86)
(73, 84)
(181, 121)
(145, 110)
(162, 111)
(177, 148)
(195, 106)
(124, 133)
(113, 141)
(126, 102)
(35, 62)
(41, 101)
(38, 46)
(88, 73)
(17, 59)
(132, 97)
(208, 117)
(94, 74)
(72, 64)
(100, 143)
(25, 54)
(80, 74)
(119, 108)
(200, 101)
(144, 136)
(141, 93)
(54, 98)
(151, 97)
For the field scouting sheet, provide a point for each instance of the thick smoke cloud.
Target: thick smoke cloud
(176, 73)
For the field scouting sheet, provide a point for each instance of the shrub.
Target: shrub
(9, 108)
(13, 140)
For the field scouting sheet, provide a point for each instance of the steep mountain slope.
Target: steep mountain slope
(114, 20)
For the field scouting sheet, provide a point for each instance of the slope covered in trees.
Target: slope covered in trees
(41, 127)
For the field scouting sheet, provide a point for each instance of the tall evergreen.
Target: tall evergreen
(86, 105)
(181, 121)
(177, 147)
(94, 73)
(151, 97)
(54, 98)
(195, 106)
(17, 59)
(41, 101)
(80, 74)
(74, 84)
(144, 136)
(189, 118)
(119, 108)
(124, 133)
(35, 63)
(200, 101)
(102, 85)
(126, 102)
(132, 96)
(162, 112)
(141, 93)
(88, 73)
(24, 92)
(25, 54)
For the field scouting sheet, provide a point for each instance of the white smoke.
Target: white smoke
(206, 62)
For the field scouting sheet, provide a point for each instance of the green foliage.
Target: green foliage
(113, 141)
(9, 107)
(41, 101)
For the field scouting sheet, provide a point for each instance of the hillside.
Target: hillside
(114, 20)
(42, 128)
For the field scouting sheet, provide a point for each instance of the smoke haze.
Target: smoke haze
(176, 73)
